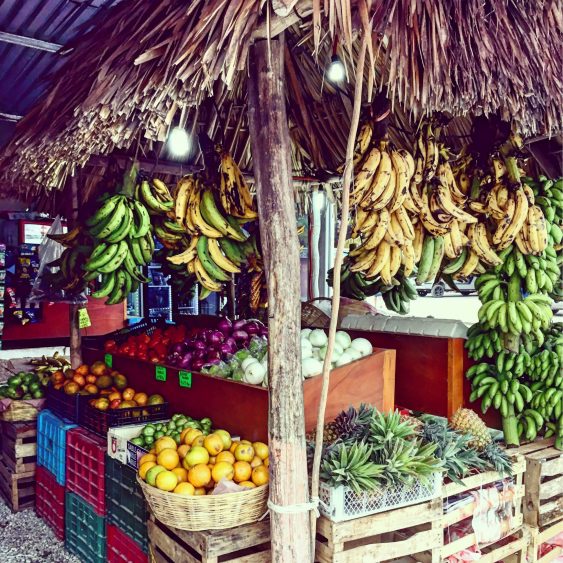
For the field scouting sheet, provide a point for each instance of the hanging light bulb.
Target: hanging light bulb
(179, 142)
(335, 71)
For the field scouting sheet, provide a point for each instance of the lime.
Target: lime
(37, 394)
(176, 416)
(149, 430)
(206, 422)
(149, 440)
(158, 434)
(138, 441)
(176, 438)
(171, 425)
(159, 426)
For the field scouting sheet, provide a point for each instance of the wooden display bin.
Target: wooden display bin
(248, 543)
(475, 483)
(386, 536)
(537, 537)
(243, 409)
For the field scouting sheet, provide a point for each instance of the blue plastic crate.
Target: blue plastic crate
(125, 503)
(85, 531)
(51, 444)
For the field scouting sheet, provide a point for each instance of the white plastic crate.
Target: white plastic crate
(342, 503)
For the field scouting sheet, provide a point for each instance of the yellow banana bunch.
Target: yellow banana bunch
(235, 196)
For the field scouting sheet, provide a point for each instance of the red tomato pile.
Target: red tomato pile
(153, 347)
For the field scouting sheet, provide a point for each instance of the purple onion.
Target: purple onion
(238, 325)
(240, 336)
(179, 348)
(226, 348)
(252, 328)
(197, 365)
(231, 343)
(264, 332)
(215, 337)
(213, 355)
(199, 345)
(225, 326)
(198, 354)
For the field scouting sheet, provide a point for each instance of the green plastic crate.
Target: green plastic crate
(85, 531)
(125, 503)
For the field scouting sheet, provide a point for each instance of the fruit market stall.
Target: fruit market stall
(436, 179)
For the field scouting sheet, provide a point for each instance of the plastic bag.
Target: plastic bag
(45, 287)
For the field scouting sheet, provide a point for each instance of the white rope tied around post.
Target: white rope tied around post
(313, 504)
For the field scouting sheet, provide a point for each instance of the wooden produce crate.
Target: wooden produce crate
(537, 537)
(474, 483)
(382, 537)
(19, 446)
(243, 409)
(244, 544)
(18, 489)
(544, 483)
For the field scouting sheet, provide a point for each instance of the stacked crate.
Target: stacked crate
(17, 463)
(543, 504)
(126, 513)
(85, 530)
(51, 471)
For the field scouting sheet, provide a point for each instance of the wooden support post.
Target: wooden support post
(75, 337)
(269, 133)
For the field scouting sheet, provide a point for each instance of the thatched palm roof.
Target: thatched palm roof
(148, 65)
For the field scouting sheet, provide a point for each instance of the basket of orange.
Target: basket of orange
(207, 482)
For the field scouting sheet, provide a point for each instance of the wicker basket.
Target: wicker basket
(20, 411)
(313, 317)
(210, 512)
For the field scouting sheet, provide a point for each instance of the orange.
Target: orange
(267, 462)
(225, 456)
(164, 443)
(141, 399)
(168, 458)
(146, 457)
(256, 461)
(198, 441)
(152, 474)
(213, 444)
(128, 393)
(212, 460)
(200, 492)
(190, 435)
(153, 451)
(226, 437)
(195, 456)
(166, 481)
(260, 449)
(233, 446)
(183, 450)
(244, 452)
(143, 468)
(184, 433)
(185, 489)
(260, 475)
(199, 475)
(246, 442)
(243, 471)
(248, 484)
(181, 473)
(223, 470)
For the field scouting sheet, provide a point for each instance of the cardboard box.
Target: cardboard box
(118, 441)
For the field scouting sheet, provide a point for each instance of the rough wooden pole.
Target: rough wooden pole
(75, 337)
(342, 234)
(269, 133)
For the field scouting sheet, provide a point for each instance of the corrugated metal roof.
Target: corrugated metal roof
(24, 70)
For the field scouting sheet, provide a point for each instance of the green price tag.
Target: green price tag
(108, 359)
(83, 318)
(160, 373)
(185, 378)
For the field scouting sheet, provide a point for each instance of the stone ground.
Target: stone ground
(25, 538)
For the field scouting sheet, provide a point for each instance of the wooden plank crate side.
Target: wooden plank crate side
(538, 536)
(248, 543)
(19, 446)
(544, 486)
(18, 489)
(366, 538)
(512, 552)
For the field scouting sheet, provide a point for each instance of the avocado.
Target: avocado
(14, 381)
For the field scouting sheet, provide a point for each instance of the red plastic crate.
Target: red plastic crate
(121, 548)
(50, 501)
(85, 469)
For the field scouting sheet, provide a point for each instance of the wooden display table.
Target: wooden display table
(243, 409)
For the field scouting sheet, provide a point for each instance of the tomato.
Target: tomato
(125, 349)
(110, 345)
(144, 338)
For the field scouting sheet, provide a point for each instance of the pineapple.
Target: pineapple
(416, 423)
(353, 425)
(467, 421)
(497, 458)
(330, 434)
